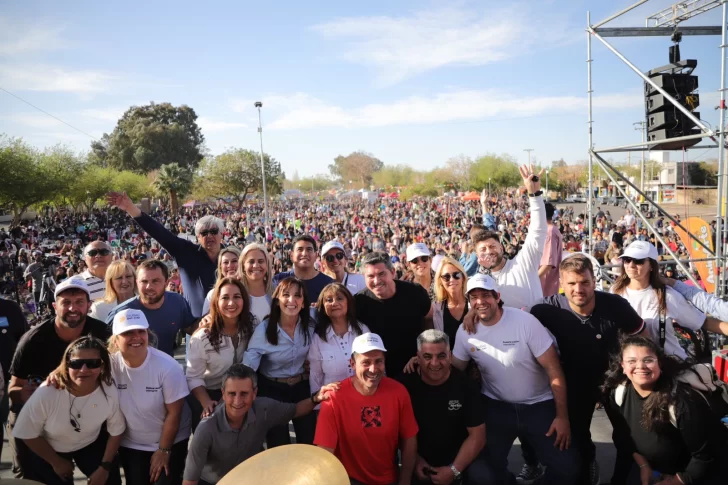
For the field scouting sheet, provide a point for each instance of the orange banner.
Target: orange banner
(700, 229)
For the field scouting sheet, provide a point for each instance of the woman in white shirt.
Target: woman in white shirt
(63, 425)
(642, 286)
(213, 350)
(336, 328)
(256, 272)
(120, 286)
(333, 264)
(227, 267)
(152, 391)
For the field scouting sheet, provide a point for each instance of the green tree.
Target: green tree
(359, 167)
(22, 178)
(147, 137)
(174, 181)
(136, 186)
(391, 176)
(502, 171)
(236, 174)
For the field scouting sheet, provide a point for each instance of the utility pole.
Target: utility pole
(642, 126)
(259, 105)
(529, 150)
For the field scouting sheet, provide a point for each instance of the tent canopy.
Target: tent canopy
(471, 196)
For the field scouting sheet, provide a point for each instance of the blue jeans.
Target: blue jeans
(504, 422)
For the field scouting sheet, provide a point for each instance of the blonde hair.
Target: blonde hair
(440, 293)
(113, 345)
(229, 249)
(116, 269)
(268, 266)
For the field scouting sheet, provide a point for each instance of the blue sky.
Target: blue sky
(412, 82)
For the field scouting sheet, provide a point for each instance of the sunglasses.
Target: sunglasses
(77, 364)
(330, 257)
(98, 252)
(446, 276)
(214, 232)
(638, 262)
(424, 259)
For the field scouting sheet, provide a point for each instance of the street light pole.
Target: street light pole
(259, 105)
(642, 126)
(529, 150)
(488, 186)
(547, 183)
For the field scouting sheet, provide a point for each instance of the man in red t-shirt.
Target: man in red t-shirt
(370, 416)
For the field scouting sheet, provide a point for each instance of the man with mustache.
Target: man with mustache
(166, 312)
(41, 349)
(368, 419)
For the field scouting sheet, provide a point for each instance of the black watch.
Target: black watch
(536, 194)
(106, 465)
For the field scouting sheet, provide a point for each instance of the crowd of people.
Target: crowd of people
(413, 340)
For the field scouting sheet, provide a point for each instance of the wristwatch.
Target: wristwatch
(106, 465)
(166, 451)
(536, 194)
(455, 471)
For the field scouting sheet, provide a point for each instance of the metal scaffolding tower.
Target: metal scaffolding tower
(664, 23)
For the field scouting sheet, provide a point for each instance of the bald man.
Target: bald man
(97, 255)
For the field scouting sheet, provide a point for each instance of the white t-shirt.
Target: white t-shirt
(354, 282)
(47, 414)
(506, 355)
(100, 309)
(646, 304)
(143, 393)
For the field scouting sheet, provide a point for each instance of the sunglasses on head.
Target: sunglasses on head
(99, 252)
(424, 259)
(638, 262)
(214, 232)
(77, 364)
(456, 276)
(330, 257)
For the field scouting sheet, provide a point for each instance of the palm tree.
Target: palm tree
(173, 180)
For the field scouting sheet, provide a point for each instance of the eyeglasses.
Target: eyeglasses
(330, 257)
(424, 259)
(446, 276)
(213, 232)
(77, 364)
(648, 361)
(638, 262)
(98, 252)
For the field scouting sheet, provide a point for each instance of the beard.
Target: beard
(151, 300)
(72, 323)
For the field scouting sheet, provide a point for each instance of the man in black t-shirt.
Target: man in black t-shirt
(449, 413)
(586, 325)
(41, 349)
(395, 310)
(12, 328)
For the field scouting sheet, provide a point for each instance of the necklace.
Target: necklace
(72, 403)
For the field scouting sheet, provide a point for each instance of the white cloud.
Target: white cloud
(34, 120)
(301, 111)
(36, 77)
(20, 38)
(106, 114)
(402, 47)
(211, 125)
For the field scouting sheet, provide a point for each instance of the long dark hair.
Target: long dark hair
(667, 390)
(655, 282)
(87, 342)
(323, 322)
(245, 319)
(271, 332)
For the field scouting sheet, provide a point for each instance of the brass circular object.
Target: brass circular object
(289, 465)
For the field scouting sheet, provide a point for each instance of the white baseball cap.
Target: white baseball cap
(129, 319)
(366, 343)
(75, 282)
(482, 281)
(332, 245)
(416, 250)
(640, 250)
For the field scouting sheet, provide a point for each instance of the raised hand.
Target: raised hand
(528, 174)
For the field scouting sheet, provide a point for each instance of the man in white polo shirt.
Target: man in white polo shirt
(523, 385)
(97, 255)
(334, 260)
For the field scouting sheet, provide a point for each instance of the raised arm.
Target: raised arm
(530, 254)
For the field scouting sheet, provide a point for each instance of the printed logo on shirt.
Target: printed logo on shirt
(154, 389)
(510, 343)
(454, 405)
(121, 386)
(371, 417)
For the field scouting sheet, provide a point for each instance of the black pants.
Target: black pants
(87, 460)
(20, 451)
(136, 465)
(304, 426)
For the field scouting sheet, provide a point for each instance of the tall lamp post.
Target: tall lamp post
(488, 186)
(259, 105)
(529, 150)
(547, 183)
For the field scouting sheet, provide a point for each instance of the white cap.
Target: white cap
(416, 250)
(436, 262)
(129, 319)
(75, 282)
(640, 250)
(366, 343)
(332, 245)
(482, 281)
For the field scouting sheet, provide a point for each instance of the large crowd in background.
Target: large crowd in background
(415, 340)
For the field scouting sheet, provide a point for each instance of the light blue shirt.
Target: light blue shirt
(277, 361)
(703, 301)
